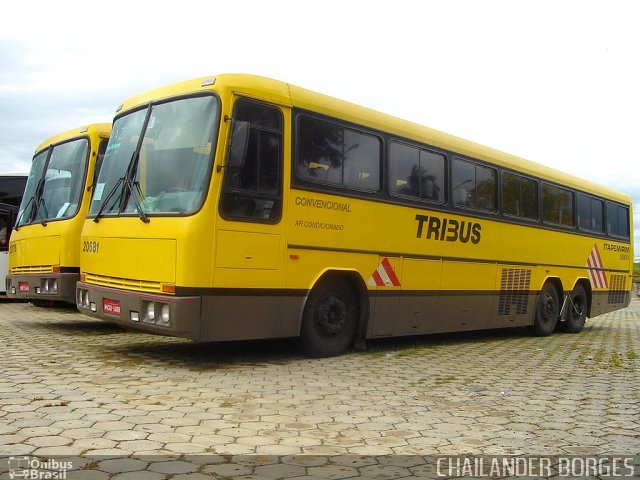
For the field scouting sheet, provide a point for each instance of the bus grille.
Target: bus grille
(514, 290)
(617, 293)
(124, 283)
(32, 269)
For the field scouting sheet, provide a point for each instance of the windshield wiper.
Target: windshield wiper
(35, 201)
(137, 195)
(44, 207)
(18, 225)
(131, 188)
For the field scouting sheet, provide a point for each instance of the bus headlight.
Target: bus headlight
(48, 285)
(165, 314)
(151, 311)
(83, 298)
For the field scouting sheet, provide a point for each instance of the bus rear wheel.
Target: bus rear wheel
(576, 310)
(547, 311)
(329, 319)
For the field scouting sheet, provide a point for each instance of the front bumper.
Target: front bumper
(47, 287)
(160, 314)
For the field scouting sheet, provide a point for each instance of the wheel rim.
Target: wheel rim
(331, 316)
(548, 308)
(578, 307)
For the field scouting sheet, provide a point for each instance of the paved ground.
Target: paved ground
(114, 400)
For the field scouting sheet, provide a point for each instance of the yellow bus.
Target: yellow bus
(44, 249)
(239, 207)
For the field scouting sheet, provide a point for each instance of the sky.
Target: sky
(556, 82)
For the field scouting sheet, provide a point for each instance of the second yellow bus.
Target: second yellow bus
(44, 250)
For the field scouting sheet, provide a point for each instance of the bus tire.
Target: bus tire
(547, 311)
(329, 319)
(576, 310)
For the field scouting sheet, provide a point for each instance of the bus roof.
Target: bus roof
(291, 95)
(101, 129)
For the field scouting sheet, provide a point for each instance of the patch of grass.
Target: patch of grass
(62, 403)
(410, 351)
(632, 355)
(616, 361)
(421, 381)
(375, 353)
(442, 379)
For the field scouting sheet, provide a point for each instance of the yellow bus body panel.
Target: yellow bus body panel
(152, 258)
(354, 233)
(42, 251)
(255, 251)
(155, 257)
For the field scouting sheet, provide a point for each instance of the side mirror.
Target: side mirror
(238, 144)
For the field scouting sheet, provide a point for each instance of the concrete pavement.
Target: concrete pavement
(124, 404)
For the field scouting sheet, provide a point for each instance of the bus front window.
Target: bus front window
(158, 159)
(64, 180)
(54, 188)
(120, 149)
(36, 176)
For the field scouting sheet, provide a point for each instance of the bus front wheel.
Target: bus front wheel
(577, 311)
(547, 311)
(329, 319)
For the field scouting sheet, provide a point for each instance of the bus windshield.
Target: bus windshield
(158, 159)
(55, 184)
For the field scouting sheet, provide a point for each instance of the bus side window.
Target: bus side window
(617, 220)
(416, 172)
(590, 213)
(473, 185)
(557, 205)
(332, 154)
(253, 191)
(519, 196)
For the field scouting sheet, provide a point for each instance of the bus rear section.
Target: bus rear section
(44, 258)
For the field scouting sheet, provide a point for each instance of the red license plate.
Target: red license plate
(111, 307)
(23, 287)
